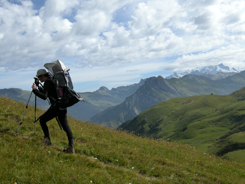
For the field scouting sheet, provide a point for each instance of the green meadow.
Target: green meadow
(103, 155)
(213, 124)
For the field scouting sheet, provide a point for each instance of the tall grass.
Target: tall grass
(102, 155)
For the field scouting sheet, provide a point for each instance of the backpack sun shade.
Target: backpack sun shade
(64, 87)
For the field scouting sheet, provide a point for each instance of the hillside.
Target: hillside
(212, 123)
(157, 89)
(102, 155)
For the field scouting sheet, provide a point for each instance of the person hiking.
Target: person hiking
(48, 90)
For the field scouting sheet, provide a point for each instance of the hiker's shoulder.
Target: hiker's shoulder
(49, 82)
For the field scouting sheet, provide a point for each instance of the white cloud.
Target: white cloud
(93, 34)
(224, 55)
(58, 8)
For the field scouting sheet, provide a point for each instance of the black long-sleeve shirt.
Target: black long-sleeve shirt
(48, 91)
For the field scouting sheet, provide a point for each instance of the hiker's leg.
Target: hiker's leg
(48, 115)
(62, 115)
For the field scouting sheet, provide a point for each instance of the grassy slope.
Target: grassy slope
(102, 155)
(197, 120)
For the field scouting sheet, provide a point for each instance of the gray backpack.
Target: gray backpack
(63, 83)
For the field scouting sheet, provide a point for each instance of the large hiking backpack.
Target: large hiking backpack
(63, 83)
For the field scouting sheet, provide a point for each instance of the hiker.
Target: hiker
(49, 90)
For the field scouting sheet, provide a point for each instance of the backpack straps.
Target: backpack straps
(58, 90)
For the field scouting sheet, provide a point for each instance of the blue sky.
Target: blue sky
(117, 43)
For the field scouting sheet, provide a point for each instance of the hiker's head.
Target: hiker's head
(42, 75)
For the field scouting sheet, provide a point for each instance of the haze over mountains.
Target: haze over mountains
(114, 107)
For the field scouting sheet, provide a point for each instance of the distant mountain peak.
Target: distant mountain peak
(103, 88)
(213, 69)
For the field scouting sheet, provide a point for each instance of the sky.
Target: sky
(117, 42)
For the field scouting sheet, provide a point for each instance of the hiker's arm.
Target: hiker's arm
(40, 88)
(40, 93)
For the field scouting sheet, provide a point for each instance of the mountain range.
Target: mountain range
(96, 101)
(113, 107)
(213, 72)
(158, 89)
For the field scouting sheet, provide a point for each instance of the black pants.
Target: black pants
(51, 113)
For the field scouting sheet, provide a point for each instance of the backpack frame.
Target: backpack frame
(60, 76)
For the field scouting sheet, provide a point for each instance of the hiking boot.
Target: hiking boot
(46, 142)
(69, 150)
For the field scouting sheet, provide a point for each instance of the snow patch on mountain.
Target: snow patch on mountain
(214, 69)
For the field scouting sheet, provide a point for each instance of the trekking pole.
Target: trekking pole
(35, 113)
(56, 118)
(58, 121)
(24, 113)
